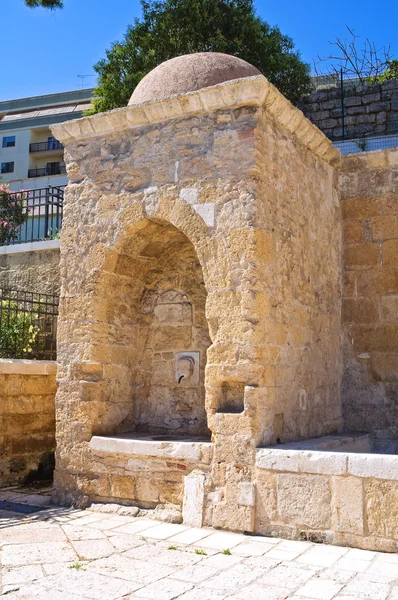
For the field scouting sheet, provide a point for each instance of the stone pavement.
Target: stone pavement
(72, 554)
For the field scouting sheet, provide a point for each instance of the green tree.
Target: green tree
(170, 28)
(391, 72)
(44, 3)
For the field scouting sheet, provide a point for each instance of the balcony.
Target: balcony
(45, 146)
(47, 171)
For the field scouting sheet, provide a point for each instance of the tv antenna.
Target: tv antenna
(82, 77)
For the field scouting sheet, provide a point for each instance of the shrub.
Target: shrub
(13, 214)
(18, 331)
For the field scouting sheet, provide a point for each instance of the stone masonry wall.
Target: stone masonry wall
(31, 271)
(370, 110)
(27, 418)
(369, 204)
(328, 497)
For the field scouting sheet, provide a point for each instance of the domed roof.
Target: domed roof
(189, 73)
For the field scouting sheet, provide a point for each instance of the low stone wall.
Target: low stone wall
(369, 206)
(31, 267)
(342, 498)
(133, 471)
(27, 417)
(369, 110)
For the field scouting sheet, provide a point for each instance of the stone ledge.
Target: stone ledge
(376, 466)
(30, 247)
(27, 367)
(123, 444)
(254, 91)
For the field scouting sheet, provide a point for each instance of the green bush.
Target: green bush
(18, 331)
(13, 214)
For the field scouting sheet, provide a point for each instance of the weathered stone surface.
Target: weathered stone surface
(304, 499)
(27, 416)
(381, 502)
(348, 505)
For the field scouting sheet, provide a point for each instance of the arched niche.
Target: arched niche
(156, 334)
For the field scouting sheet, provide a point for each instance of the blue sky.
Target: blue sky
(45, 51)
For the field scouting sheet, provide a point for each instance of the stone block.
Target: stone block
(390, 253)
(194, 497)
(348, 504)
(304, 500)
(353, 232)
(377, 282)
(389, 308)
(172, 338)
(362, 256)
(378, 466)
(122, 487)
(381, 506)
(362, 310)
(384, 227)
(246, 495)
(385, 366)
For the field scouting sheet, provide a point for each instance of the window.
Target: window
(7, 167)
(9, 142)
(53, 168)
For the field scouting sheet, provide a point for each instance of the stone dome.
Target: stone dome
(189, 73)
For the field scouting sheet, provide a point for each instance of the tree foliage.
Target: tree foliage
(391, 72)
(44, 3)
(170, 28)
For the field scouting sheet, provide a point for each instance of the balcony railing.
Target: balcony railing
(46, 171)
(30, 216)
(45, 146)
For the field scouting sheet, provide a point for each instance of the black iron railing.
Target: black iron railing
(30, 216)
(46, 171)
(45, 146)
(28, 325)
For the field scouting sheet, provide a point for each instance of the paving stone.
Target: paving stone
(287, 576)
(358, 566)
(222, 540)
(195, 574)
(92, 549)
(166, 589)
(29, 554)
(13, 575)
(191, 535)
(232, 579)
(361, 587)
(124, 541)
(201, 594)
(222, 561)
(316, 558)
(74, 533)
(166, 530)
(163, 556)
(82, 584)
(123, 567)
(319, 589)
(260, 592)
(136, 526)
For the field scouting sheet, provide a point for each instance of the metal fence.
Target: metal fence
(28, 325)
(369, 144)
(30, 216)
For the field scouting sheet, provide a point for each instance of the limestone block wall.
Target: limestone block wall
(369, 205)
(349, 499)
(31, 267)
(27, 419)
(369, 110)
(300, 213)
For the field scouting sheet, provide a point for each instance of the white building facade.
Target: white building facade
(30, 157)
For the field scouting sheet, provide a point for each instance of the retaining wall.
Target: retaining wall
(27, 418)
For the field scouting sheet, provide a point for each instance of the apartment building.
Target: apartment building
(30, 157)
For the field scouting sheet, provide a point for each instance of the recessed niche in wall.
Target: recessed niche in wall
(232, 397)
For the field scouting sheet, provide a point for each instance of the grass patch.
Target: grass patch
(78, 566)
(227, 552)
(172, 548)
(201, 552)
